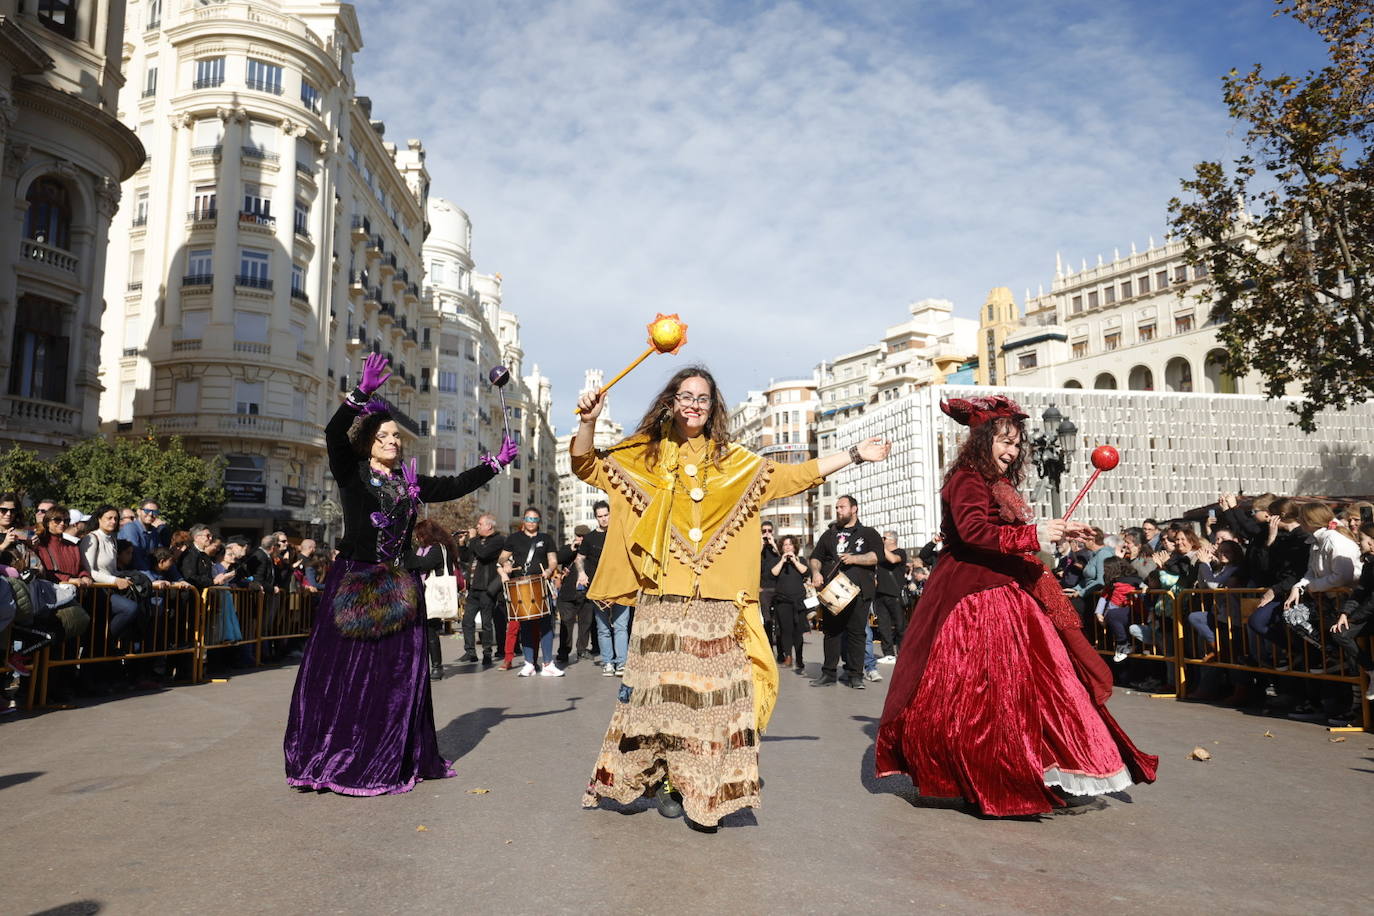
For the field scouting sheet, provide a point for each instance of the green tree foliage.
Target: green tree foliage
(23, 472)
(1287, 232)
(95, 471)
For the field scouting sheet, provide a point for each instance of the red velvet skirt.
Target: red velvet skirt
(1001, 715)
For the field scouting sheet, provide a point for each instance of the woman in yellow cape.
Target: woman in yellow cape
(700, 679)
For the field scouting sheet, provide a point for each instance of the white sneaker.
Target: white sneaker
(608, 670)
(551, 670)
(1369, 691)
(872, 675)
(620, 672)
(888, 660)
(526, 671)
(1123, 650)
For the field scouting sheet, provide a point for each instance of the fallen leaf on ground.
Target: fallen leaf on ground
(507, 842)
(1268, 734)
(421, 828)
(1335, 740)
(478, 791)
(1200, 753)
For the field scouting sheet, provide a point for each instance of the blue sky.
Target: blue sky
(789, 176)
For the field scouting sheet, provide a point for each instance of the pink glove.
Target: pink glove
(509, 451)
(375, 373)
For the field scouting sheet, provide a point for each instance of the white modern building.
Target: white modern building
(1134, 323)
(921, 351)
(63, 155)
(779, 424)
(272, 239)
(575, 498)
(1178, 451)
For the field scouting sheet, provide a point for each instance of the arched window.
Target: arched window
(58, 15)
(1178, 375)
(1105, 381)
(1218, 381)
(49, 217)
(1073, 383)
(1141, 379)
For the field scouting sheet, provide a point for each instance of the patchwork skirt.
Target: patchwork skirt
(685, 712)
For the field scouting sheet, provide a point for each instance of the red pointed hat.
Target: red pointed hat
(973, 412)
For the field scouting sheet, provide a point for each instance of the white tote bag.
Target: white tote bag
(441, 593)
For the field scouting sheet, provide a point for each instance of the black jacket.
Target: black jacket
(359, 500)
(196, 568)
(1287, 561)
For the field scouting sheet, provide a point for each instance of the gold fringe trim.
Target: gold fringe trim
(620, 479)
(748, 504)
(683, 695)
(671, 642)
(743, 738)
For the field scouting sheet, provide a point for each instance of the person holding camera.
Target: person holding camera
(789, 592)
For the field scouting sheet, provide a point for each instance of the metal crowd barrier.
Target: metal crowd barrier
(233, 617)
(163, 625)
(1173, 641)
(1152, 611)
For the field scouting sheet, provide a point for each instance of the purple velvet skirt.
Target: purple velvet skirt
(361, 720)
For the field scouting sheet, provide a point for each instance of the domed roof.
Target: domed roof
(449, 225)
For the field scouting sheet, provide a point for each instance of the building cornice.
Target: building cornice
(1029, 341)
(88, 118)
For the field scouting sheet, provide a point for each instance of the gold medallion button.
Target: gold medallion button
(695, 535)
(690, 470)
(698, 494)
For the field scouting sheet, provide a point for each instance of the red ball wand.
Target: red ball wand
(1104, 458)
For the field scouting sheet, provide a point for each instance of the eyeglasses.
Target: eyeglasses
(9, 509)
(57, 521)
(153, 512)
(687, 400)
(531, 518)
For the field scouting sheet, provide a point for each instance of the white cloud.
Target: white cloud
(786, 178)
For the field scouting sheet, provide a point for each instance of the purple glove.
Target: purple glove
(411, 478)
(375, 373)
(509, 451)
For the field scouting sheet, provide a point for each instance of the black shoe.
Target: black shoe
(858, 683)
(800, 669)
(825, 680)
(436, 674)
(486, 661)
(700, 828)
(669, 803)
(468, 656)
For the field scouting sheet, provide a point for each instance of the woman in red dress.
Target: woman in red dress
(997, 697)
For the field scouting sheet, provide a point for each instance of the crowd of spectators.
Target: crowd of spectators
(1305, 569)
(141, 558)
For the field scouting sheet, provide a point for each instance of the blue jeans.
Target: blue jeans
(1201, 622)
(613, 633)
(123, 614)
(1117, 616)
(870, 659)
(540, 631)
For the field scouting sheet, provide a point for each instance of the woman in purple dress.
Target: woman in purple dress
(361, 721)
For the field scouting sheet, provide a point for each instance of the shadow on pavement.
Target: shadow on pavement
(14, 779)
(458, 738)
(75, 908)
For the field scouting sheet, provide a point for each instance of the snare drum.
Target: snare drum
(838, 592)
(527, 597)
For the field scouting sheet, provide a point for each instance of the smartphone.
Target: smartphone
(1366, 514)
(1212, 513)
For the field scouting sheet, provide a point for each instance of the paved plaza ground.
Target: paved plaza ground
(175, 802)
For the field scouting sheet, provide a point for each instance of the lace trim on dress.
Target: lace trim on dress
(1083, 784)
(1011, 505)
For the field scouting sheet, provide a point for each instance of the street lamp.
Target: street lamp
(1051, 450)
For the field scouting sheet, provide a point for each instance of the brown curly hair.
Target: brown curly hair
(364, 430)
(717, 428)
(976, 452)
